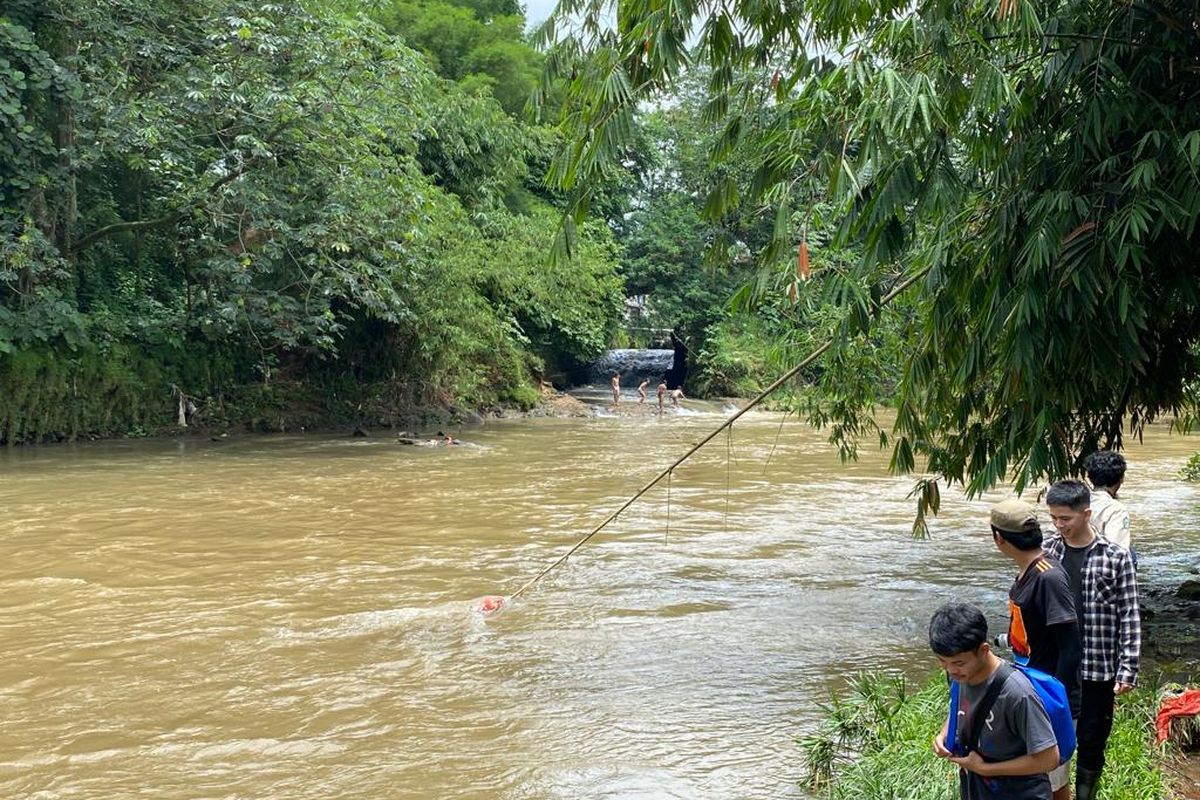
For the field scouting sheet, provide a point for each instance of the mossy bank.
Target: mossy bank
(48, 397)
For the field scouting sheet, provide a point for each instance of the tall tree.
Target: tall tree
(226, 193)
(1035, 165)
(482, 44)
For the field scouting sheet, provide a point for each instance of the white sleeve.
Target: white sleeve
(1116, 525)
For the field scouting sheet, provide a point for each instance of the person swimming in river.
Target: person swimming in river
(661, 391)
(444, 438)
(616, 388)
(642, 390)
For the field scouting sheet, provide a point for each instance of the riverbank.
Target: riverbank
(278, 407)
(875, 734)
(875, 740)
(1170, 615)
(296, 407)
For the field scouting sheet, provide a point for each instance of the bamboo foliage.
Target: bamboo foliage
(1039, 160)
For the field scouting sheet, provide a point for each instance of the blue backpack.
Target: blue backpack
(1049, 690)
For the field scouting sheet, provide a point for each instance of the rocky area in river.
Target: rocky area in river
(1170, 621)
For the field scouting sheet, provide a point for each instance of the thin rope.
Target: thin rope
(728, 462)
(775, 444)
(667, 534)
(813, 356)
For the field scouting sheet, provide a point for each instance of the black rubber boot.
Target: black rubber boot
(1086, 783)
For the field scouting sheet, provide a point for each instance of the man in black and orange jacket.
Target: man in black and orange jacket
(1043, 626)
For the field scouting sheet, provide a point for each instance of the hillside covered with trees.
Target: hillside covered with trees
(289, 215)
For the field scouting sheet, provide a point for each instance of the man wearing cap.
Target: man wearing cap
(1042, 617)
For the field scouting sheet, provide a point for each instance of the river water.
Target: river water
(291, 617)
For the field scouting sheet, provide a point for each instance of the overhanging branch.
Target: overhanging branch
(117, 227)
(137, 225)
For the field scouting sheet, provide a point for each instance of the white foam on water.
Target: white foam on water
(367, 623)
(45, 580)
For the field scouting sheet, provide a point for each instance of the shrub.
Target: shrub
(1191, 470)
(875, 741)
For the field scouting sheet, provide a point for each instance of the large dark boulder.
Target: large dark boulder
(1189, 590)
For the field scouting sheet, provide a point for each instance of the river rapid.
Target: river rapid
(291, 616)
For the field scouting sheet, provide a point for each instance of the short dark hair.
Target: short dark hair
(1105, 468)
(1023, 540)
(1070, 493)
(957, 628)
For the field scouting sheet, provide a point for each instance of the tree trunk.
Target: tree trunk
(65, 51)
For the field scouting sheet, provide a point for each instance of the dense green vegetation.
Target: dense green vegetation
(744, 322)
(302, 214)
(1191, 470)
(478, 44)
(1033, 166)
(292, 215)
(297, 217)
(876, 741)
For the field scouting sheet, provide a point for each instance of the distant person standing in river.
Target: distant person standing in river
(1106, 471)
(661, 391)
(642, 390)
(616, 388)
(676, 395)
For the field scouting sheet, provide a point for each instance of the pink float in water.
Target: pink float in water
(490, 604)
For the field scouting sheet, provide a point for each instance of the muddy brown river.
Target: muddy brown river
(291, 616)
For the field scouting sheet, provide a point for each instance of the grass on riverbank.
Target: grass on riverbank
(874, 744)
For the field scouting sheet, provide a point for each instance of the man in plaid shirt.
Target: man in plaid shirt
(1103, 579)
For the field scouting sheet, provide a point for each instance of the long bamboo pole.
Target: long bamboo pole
(809, 359)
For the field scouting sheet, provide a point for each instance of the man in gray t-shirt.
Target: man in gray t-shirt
(1016, 726)
(1017, 746)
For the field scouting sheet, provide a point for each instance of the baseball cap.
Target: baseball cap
(1014, 516)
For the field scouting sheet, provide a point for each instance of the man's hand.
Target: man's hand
(1122, 688)
(971, 762)
(939, 745)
